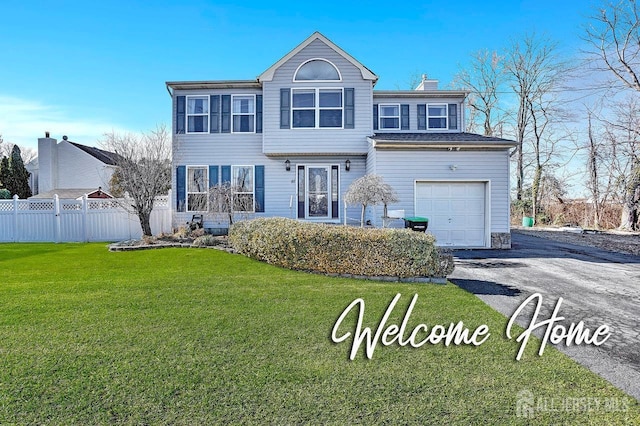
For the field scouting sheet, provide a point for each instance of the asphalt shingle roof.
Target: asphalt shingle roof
(439, 137)
(107, 157)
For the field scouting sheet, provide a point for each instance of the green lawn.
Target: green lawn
(187, 336)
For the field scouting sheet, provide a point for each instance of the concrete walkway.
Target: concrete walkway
(597, 287)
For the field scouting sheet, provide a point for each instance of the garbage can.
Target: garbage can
(527, 221)
(416, 223)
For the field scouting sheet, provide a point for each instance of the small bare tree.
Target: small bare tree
(227, 202)
(143, 169)
(370, 190)
(533, 71)
(483, 77)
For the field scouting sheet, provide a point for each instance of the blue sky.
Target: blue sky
(83, 68)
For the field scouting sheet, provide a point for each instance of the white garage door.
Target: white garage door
(456, 212)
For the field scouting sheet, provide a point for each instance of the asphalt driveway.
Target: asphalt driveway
(597, 287)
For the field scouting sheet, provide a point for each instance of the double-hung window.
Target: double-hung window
(389, 116)
(243, 188)
(198, 114)
(196, 188)
(244, 113)
(317, 108)
(437, 116)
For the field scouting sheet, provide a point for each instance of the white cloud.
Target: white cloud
(23, 121)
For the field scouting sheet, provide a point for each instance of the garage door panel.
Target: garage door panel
(440, 191)
(475, 222)
(456, 212)
(442, 205)
(459, 205)
(475, 205)
(458, 191)
(424, 205)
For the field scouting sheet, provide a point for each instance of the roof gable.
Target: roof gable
(367, 74)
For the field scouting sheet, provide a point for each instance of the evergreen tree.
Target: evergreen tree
(18, 182)
(5, 172)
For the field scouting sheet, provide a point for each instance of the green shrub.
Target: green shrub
(5, 194)
(339, 249)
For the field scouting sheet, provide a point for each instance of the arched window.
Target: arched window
(317, 69)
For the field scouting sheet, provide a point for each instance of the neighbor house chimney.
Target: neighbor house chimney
(427, 84)
(47, 163)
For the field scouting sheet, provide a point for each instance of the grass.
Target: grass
(186, 336)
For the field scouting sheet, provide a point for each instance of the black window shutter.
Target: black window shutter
(404, 117)
(375, 116)
(226, 174)
(349, 111)
(453, 116)
(301, 191)
(422, 116)
(285, 108)
(226, 114)
(335, 205)
(214, 126)
(180, 114)
(258, 113)
(181, 184)
(259, 180)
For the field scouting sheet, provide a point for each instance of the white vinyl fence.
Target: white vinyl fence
(86, 219)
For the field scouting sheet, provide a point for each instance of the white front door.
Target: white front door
(456, 212)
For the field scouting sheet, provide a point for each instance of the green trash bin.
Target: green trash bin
(527, 222)
(416, 223)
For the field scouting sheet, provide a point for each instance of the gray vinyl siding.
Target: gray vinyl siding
(321, 141)
(246, 149)
(413, 113)
(401, 169)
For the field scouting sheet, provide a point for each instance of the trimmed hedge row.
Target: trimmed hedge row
(335, 249)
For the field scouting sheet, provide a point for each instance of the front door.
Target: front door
(317, 192)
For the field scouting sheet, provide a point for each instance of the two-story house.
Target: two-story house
(293, 140)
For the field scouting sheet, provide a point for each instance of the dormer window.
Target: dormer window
(317, 70)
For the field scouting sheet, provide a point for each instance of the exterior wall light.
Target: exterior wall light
(347, 165)
(287, 165)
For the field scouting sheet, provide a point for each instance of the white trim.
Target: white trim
(186, 114)
(317, 107)
(387, 116)
(186, 188)
(295, 80)
(446, 117)
(246, 95)
(487, 203)
(269, 73)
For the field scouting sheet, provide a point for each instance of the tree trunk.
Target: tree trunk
(145, 223)
(535, 189)
(364, 207)
(631, 205)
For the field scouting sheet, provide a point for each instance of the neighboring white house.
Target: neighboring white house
(294, 139)
(70, 170)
